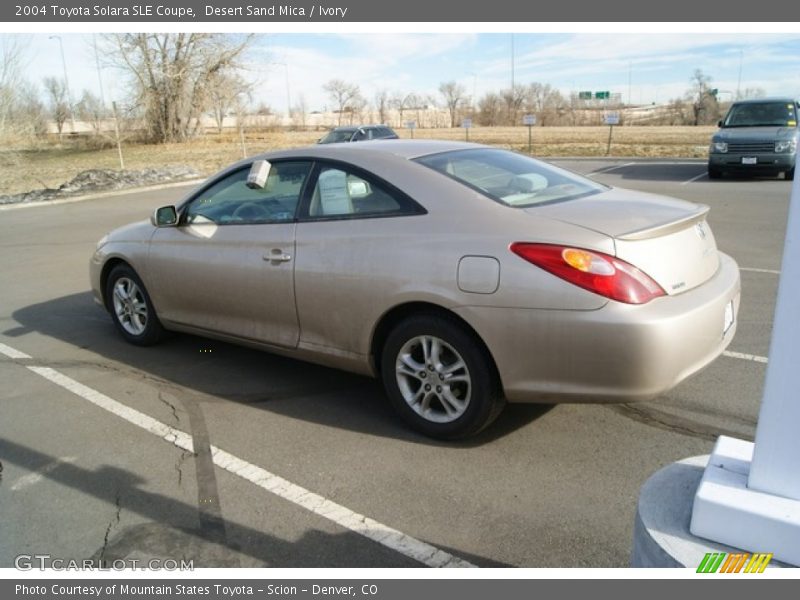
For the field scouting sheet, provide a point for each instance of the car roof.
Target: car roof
(763, 100)
(365, 154)
(383, 154)
(354, 127)
(408, 149)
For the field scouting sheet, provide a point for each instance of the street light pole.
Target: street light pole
(474, 89)
(512, 64)
(739, 77)
(288, 94)
(99, 75)
(66, 80)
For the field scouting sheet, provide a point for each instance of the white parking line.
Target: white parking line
(607, 169)
(743, 356)
(12, 352)
(319, 505)
(703, 174)
(754, 270)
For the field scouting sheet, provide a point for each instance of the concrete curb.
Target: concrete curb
(106, 194)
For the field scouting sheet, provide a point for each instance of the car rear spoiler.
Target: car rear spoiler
(668, 227)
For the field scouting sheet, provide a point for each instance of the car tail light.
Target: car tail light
(594, 271)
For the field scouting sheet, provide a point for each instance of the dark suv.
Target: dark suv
(756, 136)
(358, 133)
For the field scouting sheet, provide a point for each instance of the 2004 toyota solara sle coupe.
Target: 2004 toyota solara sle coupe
(462, 276)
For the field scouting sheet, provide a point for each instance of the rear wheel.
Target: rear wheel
(131, 308)
(439, 378)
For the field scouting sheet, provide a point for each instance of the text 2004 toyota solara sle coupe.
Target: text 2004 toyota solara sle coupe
(461, 275)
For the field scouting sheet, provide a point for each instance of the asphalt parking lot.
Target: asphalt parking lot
(294, 465)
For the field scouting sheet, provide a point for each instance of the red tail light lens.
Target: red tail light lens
(594, 271)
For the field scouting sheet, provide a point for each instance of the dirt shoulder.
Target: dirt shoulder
(43, 170)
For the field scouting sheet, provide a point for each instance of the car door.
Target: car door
(344, 275)
(228, 267)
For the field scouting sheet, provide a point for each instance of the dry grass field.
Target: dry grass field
(27, 168)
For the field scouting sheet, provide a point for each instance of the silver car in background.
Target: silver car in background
(461, 275)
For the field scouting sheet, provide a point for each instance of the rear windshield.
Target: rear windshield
(762, 114)
(511, 178)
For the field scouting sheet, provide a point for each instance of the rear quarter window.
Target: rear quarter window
(510, 178)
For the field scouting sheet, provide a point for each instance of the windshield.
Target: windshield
(335, 136)
(762, 114)
(511, 178)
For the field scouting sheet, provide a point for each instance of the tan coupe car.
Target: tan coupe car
(461, 275)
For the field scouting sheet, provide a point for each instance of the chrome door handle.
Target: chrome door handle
(278, 256)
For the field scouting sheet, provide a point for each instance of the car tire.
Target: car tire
(714, 173)
(439, 377)
(789, 175)
(131, 308)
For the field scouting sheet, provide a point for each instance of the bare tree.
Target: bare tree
(263, 109)
(382, 105)
(546, 102)
(454, 95)
(299, 111)
(342, 94)
(357, 107)
(12, 59)
(513, 99)
(402, 102)
(490, 109)
(91, 110)
(705, 109)
(57, 96)
(422, 105)
(678, 112)
(173, 75)
(28, 113)
(751, 92)
(224, 90)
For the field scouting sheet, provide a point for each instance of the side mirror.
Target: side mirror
(166, 216)
(719, 123)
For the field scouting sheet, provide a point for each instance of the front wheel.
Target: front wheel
(131, 308)
(714, 173)
(439, 378)
(789, 175)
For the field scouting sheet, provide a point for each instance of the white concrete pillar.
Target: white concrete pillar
(774, 469)
(749, 496)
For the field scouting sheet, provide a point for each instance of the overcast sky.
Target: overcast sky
(658, 66)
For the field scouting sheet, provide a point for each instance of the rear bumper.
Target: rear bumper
(765, 163)
(618, 353)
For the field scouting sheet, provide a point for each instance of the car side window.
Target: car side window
(341, 193)
(231, 202)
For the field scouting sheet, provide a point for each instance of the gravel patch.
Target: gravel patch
(98, 180)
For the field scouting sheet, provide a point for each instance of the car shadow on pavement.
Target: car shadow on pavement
(260, 380)
(160, 536)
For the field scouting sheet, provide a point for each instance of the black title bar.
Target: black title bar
(353, 11)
